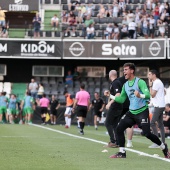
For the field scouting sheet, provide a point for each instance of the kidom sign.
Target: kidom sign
(20, 5)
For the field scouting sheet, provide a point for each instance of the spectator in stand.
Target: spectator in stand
(2, 17)
(54, 106)
(73, 4)
(4, 31)
(151, 26)
(69, 79)
(37, 24)
(161, 26)
(132, 29)
(87, 22)
(161, 8)
(167, 20)
(54, 22)
(122, 6)
(109, 12)
(124, 32)
(33, 87)
(81, 14)
(163, 15)
(156, 14)
(90, 31)
(124, 21)
(148, 5)
(167, 8)
(44, 104)
(89, 9)
(108, 32)
(71, 25)
(40, 91)
(115, 9)
(145, 25)
(102, 12)
(115, 34)
(130, 16)
(64, 16)
(76, 74)
(166, 119)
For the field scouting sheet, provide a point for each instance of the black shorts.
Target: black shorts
(81, 111)
(53, 112)
(44, 110)
(98, 114)
(141, 119)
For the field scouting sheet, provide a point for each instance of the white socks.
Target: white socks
(66, 120)
(78, 124)
(162, 146)
(122, 149)
(69, 121)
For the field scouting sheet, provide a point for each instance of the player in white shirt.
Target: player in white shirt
(158, 99)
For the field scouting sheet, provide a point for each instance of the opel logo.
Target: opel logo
(76, 49)
(154, 48)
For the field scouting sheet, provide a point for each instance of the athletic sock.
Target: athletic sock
(81, 126)
(95, 126)
(69, 122)
(66, 120)
(78, 124)
(129, 141)
(162, 146)
(122, 149)
(43, 119)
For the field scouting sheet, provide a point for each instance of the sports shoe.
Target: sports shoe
(81, 132)
(154, 145)
(166, 151)
(119, 155)
(129, 145)
(111, 145)
(66, 126)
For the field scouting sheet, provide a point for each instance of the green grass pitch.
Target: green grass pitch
(24, 147)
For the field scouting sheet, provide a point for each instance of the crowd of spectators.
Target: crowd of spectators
(147, 19)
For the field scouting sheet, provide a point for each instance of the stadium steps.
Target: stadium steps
(16, 33)
(19, 89)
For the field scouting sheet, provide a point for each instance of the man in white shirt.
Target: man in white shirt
(54, 22)
(33, 88)
(157, 93)
(132, 29)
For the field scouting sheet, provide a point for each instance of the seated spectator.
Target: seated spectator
(166, 119)
(145, 25)
(64, 16)
(37, 24)
(90, 31)
(116, 31)
(161, 26)
(151, 26)
(71, 25)
(156, 14)
(69, 79)
(87, 22)
(124, 32)
(89, 9)
(108, 32)
(4, 31)
(102, 12)
(130, 16)
(132, 28)
(73, 4)
(2, 17)
(124, 21)
(54, 22)
(81, 14)
(76, 75)
(109, 12)
(115, 9)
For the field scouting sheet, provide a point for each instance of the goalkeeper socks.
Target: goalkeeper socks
(69, 122)
(66, 120)
(122, 150)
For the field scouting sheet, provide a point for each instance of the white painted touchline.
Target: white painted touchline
(101, 142)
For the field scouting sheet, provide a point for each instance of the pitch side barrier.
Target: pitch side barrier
(136, 49)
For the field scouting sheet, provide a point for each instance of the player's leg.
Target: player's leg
(1, 114)
(95, 121)
(66, 117)
(129, 132)
(69, 116)
(125, 122)
(52, 117)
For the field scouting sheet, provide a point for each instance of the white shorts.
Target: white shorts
(68, 110)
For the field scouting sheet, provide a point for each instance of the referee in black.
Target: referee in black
(114, 110)
(98, 105)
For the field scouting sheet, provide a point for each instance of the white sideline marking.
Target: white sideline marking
(101, 142)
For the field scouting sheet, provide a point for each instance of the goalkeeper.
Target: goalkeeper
(137, 92)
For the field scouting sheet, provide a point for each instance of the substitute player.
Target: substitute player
(98, 105)
(138, 93)
(69, 106)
